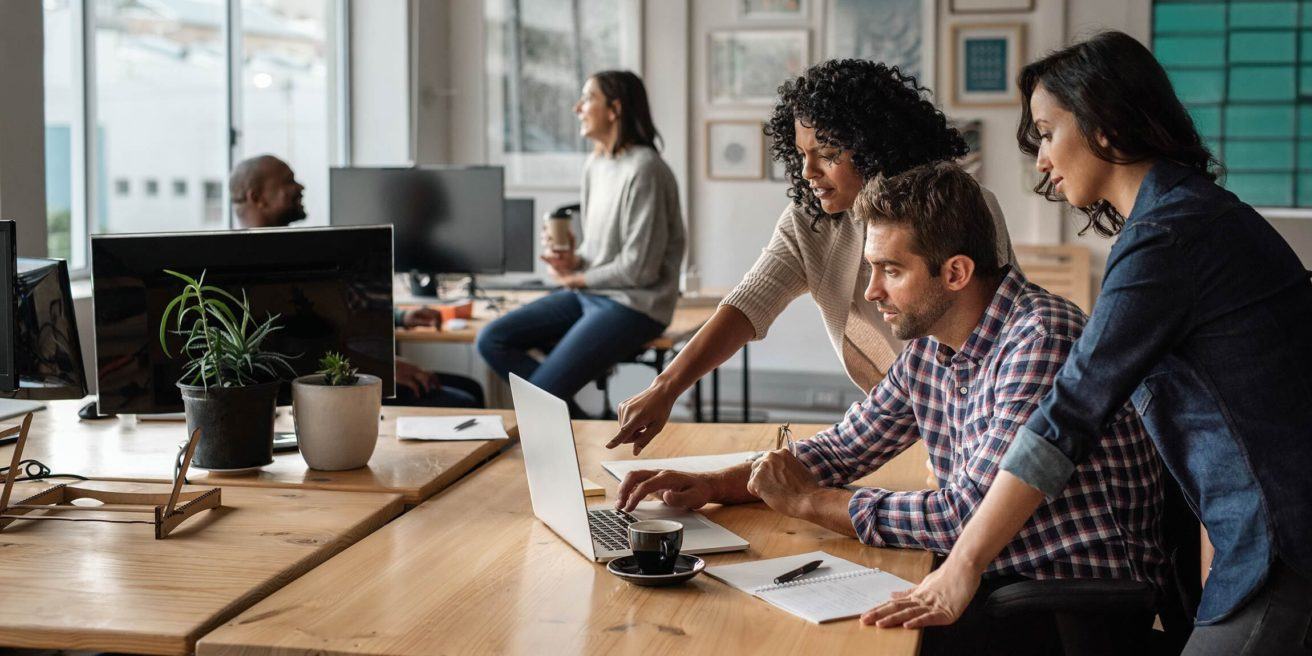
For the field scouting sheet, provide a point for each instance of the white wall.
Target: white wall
(22, 149)
(381, 125)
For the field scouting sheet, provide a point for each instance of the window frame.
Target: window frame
(85, 183)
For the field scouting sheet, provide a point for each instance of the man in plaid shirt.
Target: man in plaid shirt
(987, 345)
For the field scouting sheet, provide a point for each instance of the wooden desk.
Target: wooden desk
(114, 587)
(472, 571)
(113, 449)
(689, 317)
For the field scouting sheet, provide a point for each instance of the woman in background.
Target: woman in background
(622, 282)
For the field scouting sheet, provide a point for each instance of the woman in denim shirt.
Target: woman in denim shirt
(1204, 322)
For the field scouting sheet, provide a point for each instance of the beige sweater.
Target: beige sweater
(827, 263)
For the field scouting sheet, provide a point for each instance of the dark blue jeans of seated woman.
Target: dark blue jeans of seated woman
(583, 334)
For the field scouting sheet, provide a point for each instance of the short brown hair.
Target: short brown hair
(944, 209)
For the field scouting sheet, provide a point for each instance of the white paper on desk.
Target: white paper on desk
(486, 427)
(690, 464)
(838, 589)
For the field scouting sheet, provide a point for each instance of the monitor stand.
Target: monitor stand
(428, 285)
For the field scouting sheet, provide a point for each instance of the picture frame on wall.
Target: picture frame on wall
(773, 10)
(972, 132)
(747, 66)
(899, 33)
(991, 6)
(986, 59)
(735, 150)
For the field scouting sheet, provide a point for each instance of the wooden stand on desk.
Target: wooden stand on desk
(167, 513)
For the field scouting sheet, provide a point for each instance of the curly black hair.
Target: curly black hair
(872, 110)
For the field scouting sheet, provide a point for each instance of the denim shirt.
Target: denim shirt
(1205, 323)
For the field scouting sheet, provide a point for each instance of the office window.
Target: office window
(62, 103)
(539, 54)
(287, 91)
(1244, 71)
(177, 90)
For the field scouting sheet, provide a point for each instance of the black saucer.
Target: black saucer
(685, 568)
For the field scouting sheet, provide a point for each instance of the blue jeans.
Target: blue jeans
(586, 335)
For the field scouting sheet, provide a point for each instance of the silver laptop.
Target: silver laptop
(554, 484)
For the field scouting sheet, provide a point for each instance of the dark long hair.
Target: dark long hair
(636, 127)
(1117, 89)
(874, 111)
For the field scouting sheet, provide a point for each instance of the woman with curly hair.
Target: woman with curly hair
(840, 124)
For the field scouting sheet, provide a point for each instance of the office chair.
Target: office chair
(1092, 615)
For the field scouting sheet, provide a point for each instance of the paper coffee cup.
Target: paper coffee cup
(558, 231)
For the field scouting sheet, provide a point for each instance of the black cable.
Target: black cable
(35, 470)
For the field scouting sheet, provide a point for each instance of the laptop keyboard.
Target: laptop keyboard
(610, 528)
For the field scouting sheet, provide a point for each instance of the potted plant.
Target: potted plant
(230, 382)
(336, 412)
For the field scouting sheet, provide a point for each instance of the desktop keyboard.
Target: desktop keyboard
(610, 528)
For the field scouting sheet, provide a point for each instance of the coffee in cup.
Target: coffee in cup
(655, 544)
(558, 229)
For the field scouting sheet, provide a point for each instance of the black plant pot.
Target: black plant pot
(236, 424)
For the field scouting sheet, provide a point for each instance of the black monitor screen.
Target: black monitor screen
(8, 306)
(519, 236)
(47, 353)
(331, 287)
(447, 220)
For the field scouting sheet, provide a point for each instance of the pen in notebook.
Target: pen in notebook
(465, 424)
(790, 575)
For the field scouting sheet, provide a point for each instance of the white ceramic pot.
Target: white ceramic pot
(336, 425)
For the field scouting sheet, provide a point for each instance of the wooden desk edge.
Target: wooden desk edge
(373, 522)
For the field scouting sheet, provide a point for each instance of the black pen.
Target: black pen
(466, 424)
(788, 576)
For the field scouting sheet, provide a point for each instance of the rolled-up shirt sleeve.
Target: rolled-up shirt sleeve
(1140, 315)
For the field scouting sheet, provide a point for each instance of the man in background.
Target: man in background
(265, 194)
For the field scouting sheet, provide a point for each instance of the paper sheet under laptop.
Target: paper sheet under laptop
(485, 427)
(690, 464)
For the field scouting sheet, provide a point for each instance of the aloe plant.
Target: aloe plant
(337, 370)
(224, 348)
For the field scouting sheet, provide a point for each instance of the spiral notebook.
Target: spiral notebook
(837, 590)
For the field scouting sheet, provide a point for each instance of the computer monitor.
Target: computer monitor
(47, 350)
(519, 235)
(331, 287)
(8, 305)
(447, 219)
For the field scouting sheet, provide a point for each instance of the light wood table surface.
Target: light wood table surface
(472, 571)
(116, 449)
(114, 587)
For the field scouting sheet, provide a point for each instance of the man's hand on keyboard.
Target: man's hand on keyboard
(677, 489)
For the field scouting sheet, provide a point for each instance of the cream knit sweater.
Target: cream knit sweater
(827, 262)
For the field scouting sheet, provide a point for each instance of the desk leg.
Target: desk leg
(715, 396)
(697, 401)
(747, 390)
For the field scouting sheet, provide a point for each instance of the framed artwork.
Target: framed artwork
(773, 10)
(896, 32)
(985, 62)
(775, 170)
(735, 150)
(747, 66)
(991, 6)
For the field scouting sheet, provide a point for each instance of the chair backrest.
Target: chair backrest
(1061, 269)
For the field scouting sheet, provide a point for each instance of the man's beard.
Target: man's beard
(293, 214)
(916, 323)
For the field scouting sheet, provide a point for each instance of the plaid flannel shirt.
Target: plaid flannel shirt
(967, 406)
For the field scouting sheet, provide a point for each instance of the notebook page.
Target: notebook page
(691, 464)
(835, 597)
(755, 574)
(485, 427)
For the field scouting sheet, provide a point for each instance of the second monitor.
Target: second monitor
(446, 219)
